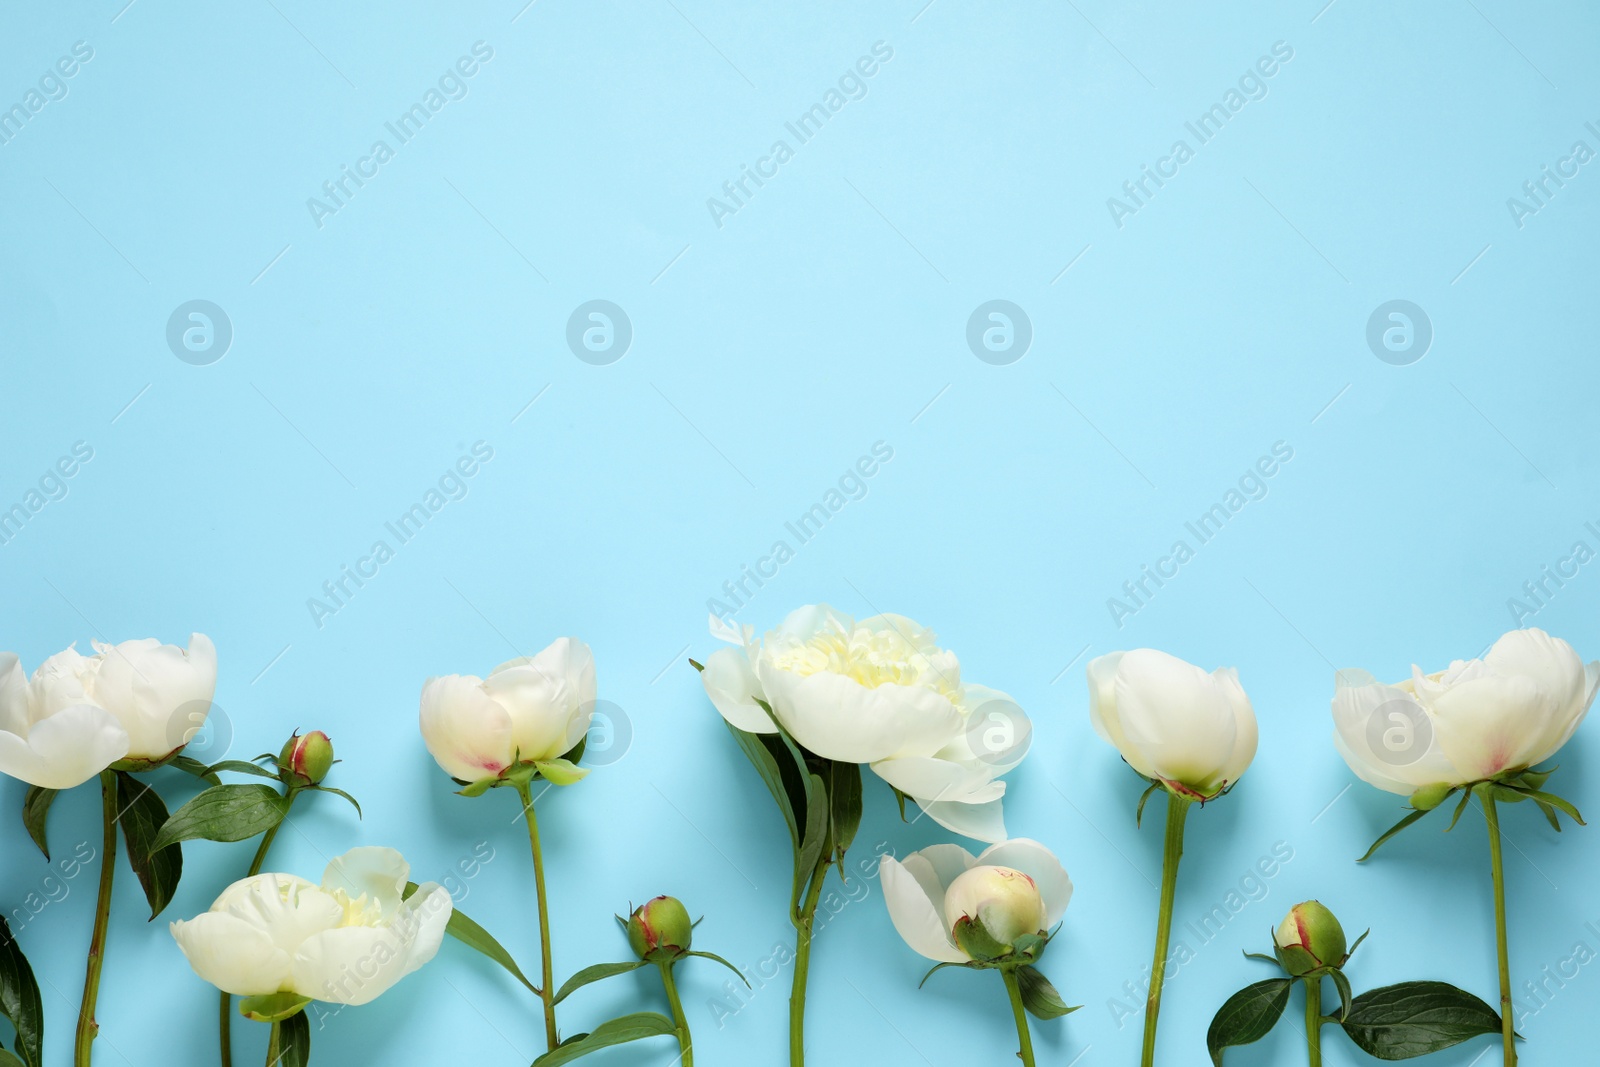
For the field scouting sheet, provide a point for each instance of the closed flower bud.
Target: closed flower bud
(306, 758)
(659, 930)
(990, 908)
(1309, 939)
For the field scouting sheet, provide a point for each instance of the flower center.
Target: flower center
(874, 658)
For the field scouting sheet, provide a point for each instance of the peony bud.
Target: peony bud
(991, 907)
(659, 930)
(1309, 939)
(306, 758)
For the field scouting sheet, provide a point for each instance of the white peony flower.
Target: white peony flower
(878, 691)
(140, 700)
(1478, 719)
(1014, 888)
(531, 710)
(344, 942)
(1173, 722)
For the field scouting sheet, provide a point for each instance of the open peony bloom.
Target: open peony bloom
(345, 941)
(534, 709)
(1475, 721)
(140, 700)
(1174, 723)
(878, 691)
(946, 902)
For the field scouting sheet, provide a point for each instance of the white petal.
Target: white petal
(232, 954)
(928, 779)
(1038, 863)
(424, 918)
(917, 918)
(983, 821)
(1176, 717)
(1492, 724)
(466, 732)
(1379, 730)
(840, 719)
(1558, 670)
(14, 714)
(286, 909)
(1244, 718)
(731, 684)
(162, 693)
(997, 734)
(66, 749)
(350, 965)
(550, 697)
(378, 873)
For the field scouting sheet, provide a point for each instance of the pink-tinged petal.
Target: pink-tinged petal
(1038, 863)
(465, 731)
(1491, 724)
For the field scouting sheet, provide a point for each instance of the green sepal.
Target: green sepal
(593, 974)
(560, 771)
(272, 1007)
(19, 999)
(239, 766)
(616, 1032)
(725, 963)
(1039, 996)
(338, 793)
(1138, 812)
(142, 817)
(190, 765)
(1343, 985)
(1466, 798)
(977, 942)
(461, 927)
(1247, 1016)
(478, 788)
(35, 810)
(1351, 951)
(939, 967)
(224, 813)
(1396, 828)
(1262, 957)
(1431, 796)
(1562, 805)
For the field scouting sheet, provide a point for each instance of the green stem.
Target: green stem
(274, 1046)
(225, 1003)
(547, 983)
(1497, 867)
(1177, 812)
(87, 1027)
(802, 964)
(1014, 988)
(1314, 1020)
(679, 1020)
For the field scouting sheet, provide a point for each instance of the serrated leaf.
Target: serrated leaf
(844, 805)
(35, 810)
(1247, 1016)
(1410, 1019)
(224, 813)
(272, 1007)
(19, 998)
(469, 933)
(1396, 828)
(616, 1032)
(142, 817)
(294, 1041)
(1039, 996)
(594, 974)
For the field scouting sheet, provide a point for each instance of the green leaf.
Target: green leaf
(1549, 815)
(239, 766)
(560, 771)
(19, 998)
(725, 963)
(1263, 957)
(340, 793)
(1398, 1022)
(1247, 1016)
(475, 937)
(1560, 804)
(1466, 798)
(8, 1060)
(1345, 995)
(224, 813)
(143, 815)
(190, 765)
(1138, 813)
(1396, 828)
(616, 1032)
(1039, 996)
(766, 764)
(935, 969)
(844, 805)
(294, 1041)
(815, 842)
(1351, 951)
(594, 974)
(272, 1007)
(35, 809)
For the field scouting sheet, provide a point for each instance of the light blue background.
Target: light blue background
(828, 313)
